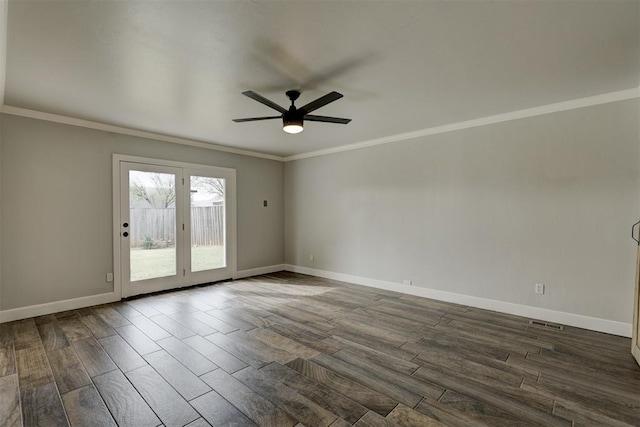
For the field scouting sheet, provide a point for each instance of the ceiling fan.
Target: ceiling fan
(293, 118)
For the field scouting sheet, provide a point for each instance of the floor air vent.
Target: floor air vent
(546, 325)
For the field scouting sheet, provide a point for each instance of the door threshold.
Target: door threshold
(167, 291)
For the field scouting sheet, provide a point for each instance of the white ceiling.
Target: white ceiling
(179, 67)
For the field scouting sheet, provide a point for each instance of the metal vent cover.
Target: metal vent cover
(547, 325)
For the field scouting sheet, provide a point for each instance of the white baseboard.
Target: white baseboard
(570, 319)
(258, 271)
(55, 307)
(75, 303)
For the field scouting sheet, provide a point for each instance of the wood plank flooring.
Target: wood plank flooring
(292, 350)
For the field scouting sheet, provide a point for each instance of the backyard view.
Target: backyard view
(152, 217)
(150, 263)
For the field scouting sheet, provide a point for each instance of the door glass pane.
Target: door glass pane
(207, 223)
(152, 229)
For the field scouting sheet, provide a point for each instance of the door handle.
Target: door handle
(632, 232)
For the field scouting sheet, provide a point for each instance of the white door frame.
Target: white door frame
(635, 337)
(230, 175)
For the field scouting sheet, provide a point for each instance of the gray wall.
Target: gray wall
(1, 156)
(57, 207)
(486, 212)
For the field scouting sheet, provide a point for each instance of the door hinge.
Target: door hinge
(184, 272)
(182, 181)
(182, 227)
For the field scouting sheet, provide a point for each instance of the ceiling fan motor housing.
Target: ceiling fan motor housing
(293, 115)
(292, 120)
(293, 95)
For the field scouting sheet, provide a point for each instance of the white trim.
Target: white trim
(571, 319)
(451, 127)
(483, 121)
(577, 320)
(258, 271)
(117, 270)
(56, 118)
(56, 307)
(164, 162)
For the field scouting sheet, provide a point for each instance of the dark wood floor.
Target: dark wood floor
(288, 349)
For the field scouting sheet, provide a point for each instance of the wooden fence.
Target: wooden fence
(207, 226)
(156, 227)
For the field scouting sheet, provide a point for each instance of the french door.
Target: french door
(175, 224)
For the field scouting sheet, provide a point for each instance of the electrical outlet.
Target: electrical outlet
(311, 257)
(406, 282)
(539, 288)
(109, 277)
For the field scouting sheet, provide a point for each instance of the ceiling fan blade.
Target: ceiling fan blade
(314, 118)
(321, 102)
(261, 99)
(254, 119)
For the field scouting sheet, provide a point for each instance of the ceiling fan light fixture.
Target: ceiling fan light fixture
(292, 127)
(292, 122)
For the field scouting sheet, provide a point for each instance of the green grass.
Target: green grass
(151, 263)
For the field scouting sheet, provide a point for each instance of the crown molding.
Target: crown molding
(56, 118)
(483, 121)
(452, 127)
